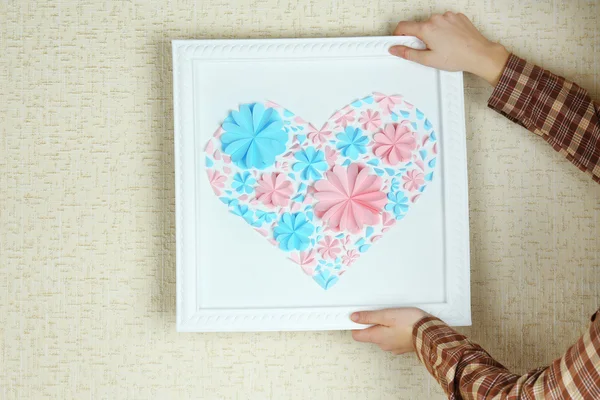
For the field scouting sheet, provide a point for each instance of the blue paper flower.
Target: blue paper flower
(326, 279)
(293, 231)
(254, 136)
(310, 163)
(352, 142)
(244, 212)
(263, 217)
(243, 183)
(398, 204)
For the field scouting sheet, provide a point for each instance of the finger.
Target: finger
(373, 334)
(418, 56)
(369, 317)
(408, 28)
(463, 16)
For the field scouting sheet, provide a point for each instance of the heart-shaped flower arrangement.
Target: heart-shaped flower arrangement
(323, 196)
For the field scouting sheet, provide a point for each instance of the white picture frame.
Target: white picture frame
(209, 79)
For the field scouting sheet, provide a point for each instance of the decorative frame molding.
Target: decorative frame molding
(190, 318)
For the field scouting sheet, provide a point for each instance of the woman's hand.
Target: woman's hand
(453, 44)
(392, 330)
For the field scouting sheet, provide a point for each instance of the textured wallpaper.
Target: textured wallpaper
(87, 234)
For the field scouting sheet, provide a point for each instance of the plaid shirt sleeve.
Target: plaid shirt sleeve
(550, 106)
(466, 371)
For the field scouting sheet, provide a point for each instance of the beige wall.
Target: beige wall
(87, 234)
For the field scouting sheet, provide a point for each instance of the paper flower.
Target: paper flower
(318, 136)
(394, 144)
(352, 142)
(326, 279)
(305, 259)
(329, 248)
(293, 231)
(350, 257)
(274, 190)
(254, 136)
(263, 217)
(216, 180)
(398, 204)
(345, 119)
(413, 180)
(331, 155)
(244, 212)
(242, 183)
(310, 163)
(387, 102)
(349, 198)
(370, 120)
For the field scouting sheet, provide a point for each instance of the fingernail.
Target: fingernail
(393, 51)
(354, 317)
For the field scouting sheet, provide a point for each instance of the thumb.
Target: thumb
(369, 317)
(408, 53)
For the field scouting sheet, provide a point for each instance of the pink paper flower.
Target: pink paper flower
(274, 190)
(394, 144)
(331, 155)
(387, 102)
(345, 119)
(305, 259)
(413, 180)
(370, 120)
(318, 135)
(350, 257)
(388, 221)
(349, 198)
(329, 248)
(216, 180)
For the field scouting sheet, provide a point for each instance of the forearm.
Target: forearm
(550, 106)
(467, 371)
(448, 356)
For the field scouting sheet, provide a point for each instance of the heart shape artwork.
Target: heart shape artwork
(323, 196)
